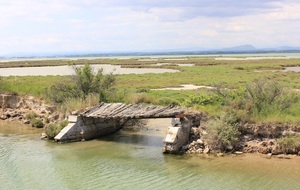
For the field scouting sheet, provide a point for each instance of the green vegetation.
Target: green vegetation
(240, 76)
(290, 144)
(248, 91)
(38, 123)
(54, 128)
(222, 133)
(31, 115)
(79, 86)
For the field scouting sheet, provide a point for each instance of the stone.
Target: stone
(76, 112)
(220, 154)
(199, 151)
(269, 155)
(199, 141)
(229, 147)
(195, 131)
(186, 147)
(26, 122)
(44, 136)
(3, 117)
(206, 150)
(238, 152)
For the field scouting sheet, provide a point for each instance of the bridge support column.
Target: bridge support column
(178, 134)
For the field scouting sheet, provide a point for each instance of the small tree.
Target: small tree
(84, 82)
(88, 82)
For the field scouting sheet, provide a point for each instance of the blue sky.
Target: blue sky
(138, 25)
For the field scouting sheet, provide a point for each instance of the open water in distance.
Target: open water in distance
(68, 70)
(130, 160)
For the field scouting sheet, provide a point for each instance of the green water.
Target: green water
(130, 160)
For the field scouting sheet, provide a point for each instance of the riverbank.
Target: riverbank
(254, 138)
(27, 110)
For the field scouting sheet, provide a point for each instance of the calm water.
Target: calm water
(130, 160)
(67, 70)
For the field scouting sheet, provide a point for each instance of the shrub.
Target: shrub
(201, 100)
(85, 82)
(290, 144)
(53, 129)
(38, 123)
(30, 115)
(141, 98)
(222, 132)
(266, 96)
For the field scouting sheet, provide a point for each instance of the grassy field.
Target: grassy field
(232, 74)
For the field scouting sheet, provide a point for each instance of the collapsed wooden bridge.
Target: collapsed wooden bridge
(132, 111)
(107, 118)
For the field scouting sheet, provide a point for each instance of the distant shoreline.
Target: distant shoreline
(268, 55)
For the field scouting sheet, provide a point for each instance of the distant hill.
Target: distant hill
(242, 48)
(178, 51)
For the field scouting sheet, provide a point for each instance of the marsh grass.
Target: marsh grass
(136, 88)
(74, 104)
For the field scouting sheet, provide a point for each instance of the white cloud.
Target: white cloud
(108, 25)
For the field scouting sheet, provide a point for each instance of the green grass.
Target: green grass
(29, 85)
(137, 87)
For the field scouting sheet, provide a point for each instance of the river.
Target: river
(130, 159)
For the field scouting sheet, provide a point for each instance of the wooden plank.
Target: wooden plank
(119, 110)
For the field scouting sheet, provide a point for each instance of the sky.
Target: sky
(143, 25)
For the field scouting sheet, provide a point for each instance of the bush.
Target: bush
(53, 129)
(141, 99)
(30, 115)
(85, 82)
(289, 145)
(222, 132)
(38, 123)
(201, 100)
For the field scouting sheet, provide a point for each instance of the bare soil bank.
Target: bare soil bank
(24, 109)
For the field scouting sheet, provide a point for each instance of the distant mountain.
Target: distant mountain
(178, 51)
(242, 48)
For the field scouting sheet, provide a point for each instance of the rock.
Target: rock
(220, 154)
(3, 117)
(269, 155)
(195, 131)
(229, 147)
(283, 156)
(299, 153)
(238, 152)
(186, 147)
(44, 136)
(26, 122)
(199, 151)
(76, 112)
(199, 141)
(206, 150)
(82, 140)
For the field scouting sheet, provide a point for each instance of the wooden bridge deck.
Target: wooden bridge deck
(119, 110)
